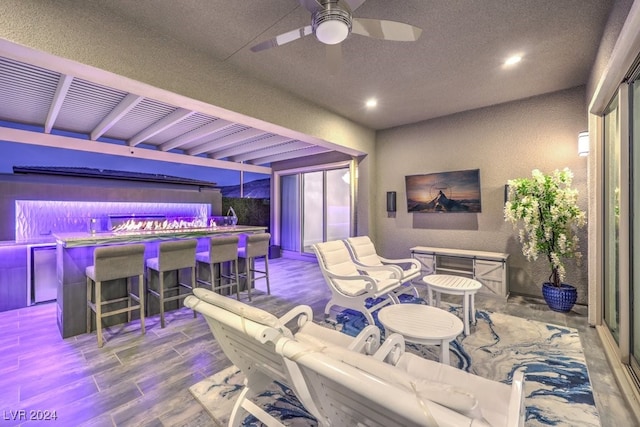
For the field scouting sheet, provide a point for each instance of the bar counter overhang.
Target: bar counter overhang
(74, 252)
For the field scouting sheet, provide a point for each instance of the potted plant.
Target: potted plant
(545, 209)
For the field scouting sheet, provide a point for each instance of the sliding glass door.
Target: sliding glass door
(313, 212)
(290, 214)
(315, 206)
(635, 228)
(338, 204)
(621, 222)
(611, 313)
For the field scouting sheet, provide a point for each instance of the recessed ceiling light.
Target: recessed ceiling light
(512, 60)
(371, 102)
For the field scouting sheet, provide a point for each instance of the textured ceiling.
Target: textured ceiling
(455, 66)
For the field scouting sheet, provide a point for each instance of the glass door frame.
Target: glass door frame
(621, 64)
(276, 213)
(634, 228)
(621, 346)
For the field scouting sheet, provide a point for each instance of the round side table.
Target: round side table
(422, 324)
(454, 285)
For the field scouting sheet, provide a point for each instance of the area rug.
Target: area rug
(557, 387)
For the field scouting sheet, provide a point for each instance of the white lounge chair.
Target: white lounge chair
(498, 403)
(352, 284)
(348, 388)
(247, 334)
(363, 252)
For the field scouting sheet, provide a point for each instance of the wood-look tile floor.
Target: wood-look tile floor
(143, 380)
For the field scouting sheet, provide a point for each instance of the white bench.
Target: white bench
(349, 388)
(339, 384)
(247, 335)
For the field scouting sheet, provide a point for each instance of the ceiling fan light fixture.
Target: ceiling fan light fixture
(332, 32)
(332, 24)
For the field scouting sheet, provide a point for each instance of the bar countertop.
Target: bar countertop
(72, 240)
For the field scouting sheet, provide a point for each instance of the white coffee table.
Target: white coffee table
(454, 285)
(422, 324)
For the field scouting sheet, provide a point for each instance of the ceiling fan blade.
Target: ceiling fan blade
(311, 5)
(354, 4)
(334, 58)
(385, 30)
(283, 39)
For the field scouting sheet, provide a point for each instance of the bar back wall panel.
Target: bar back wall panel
(18, 187)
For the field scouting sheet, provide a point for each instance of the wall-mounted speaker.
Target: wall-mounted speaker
(391, 201)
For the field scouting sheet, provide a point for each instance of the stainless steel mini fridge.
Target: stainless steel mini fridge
(44, 281)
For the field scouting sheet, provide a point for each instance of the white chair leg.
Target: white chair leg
(238, 413)
(367, 315)
(327, 308)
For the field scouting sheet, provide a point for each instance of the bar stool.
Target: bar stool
(221, 249)
(172, 256)
(111, 263)
(254, 246)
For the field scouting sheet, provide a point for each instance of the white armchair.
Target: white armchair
(247, 335)
(352, 284)
(364, 253)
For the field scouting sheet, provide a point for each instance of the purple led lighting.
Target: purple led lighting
(38, 219)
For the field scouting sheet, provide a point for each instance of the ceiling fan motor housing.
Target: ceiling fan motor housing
(332, 24)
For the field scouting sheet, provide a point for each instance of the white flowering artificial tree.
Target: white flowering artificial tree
(545, 209)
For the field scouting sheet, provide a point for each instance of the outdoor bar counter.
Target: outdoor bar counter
(74, 252)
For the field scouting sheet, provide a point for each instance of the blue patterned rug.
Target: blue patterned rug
(557, 387)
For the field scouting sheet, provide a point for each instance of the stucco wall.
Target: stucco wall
(504, 141)
(609, 37)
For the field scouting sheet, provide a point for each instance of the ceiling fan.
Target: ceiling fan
(332, 22)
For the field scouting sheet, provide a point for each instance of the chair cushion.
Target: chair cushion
(492, 395)
(239, 308)
(318, 336)
(380, 275)
(444, 393)
(386, 286)
(336, 258)
(364, 250)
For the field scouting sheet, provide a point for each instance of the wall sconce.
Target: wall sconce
(583, 143)
(391, 204)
